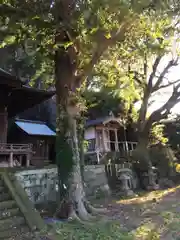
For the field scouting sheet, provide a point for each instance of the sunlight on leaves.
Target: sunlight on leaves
(147, 232)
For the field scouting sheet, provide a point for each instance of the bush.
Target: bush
(164, 159)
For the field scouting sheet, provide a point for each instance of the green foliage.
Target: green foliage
(157, 135)
(177, 168)
(164, 159)
(172, 131)
(101, 103)
(126, 71)
(96, 231)
(34, 26)
(171, 221)
(147, 232)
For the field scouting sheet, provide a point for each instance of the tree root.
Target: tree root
(85, 215)
(75, 217)
(94, 210)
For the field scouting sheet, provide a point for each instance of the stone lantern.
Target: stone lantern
(126, 181)
(150, 178)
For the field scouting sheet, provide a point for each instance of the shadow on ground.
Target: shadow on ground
(154, 215)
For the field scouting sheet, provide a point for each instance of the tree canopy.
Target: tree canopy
(91, 28)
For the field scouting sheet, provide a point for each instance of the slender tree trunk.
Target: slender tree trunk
(77, 190)
(81, 131)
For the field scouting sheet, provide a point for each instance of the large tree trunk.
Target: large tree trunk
(64, 154)
(73, 202)
(71, 194)
(143, 158)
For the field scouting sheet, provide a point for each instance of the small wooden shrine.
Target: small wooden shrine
(41, 137)
(108, 134)
(15, 98)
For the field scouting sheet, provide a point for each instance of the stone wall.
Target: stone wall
(41, 185)
(95, 180)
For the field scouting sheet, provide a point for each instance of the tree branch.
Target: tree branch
(163, 111)
(168, 84)
(4, 9)
(138, 78)
(147, 93)
(152, 75)
(145, 66)
(102, 47)
(163, 73)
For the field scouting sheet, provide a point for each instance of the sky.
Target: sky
(162, 96)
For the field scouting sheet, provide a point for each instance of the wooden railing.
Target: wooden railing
(98, 154)
(5, 147)
(17, 150)
(110, 167)
(117, 146)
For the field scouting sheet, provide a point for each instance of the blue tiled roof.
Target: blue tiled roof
(95, 121)
(35, 128)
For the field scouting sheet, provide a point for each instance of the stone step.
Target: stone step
(12, 222)
(7, 205)
(9, 213)
(2, 189)
(5, 196)
(13, 225)
(1, 183)
(14, 233)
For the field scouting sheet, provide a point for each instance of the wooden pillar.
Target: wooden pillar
(3, 124)
(98, 157)
(116, 139)
(28, 156)
(20, 160)
(127, 147)
(11, 159)
(103, 140)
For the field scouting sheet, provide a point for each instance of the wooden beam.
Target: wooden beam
(32, 217)
(18, 200)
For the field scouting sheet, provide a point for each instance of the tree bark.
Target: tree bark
(77, 190)
(81, 132)
(64, 155)
(141, 153)
(143, 158)
(71, 194)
